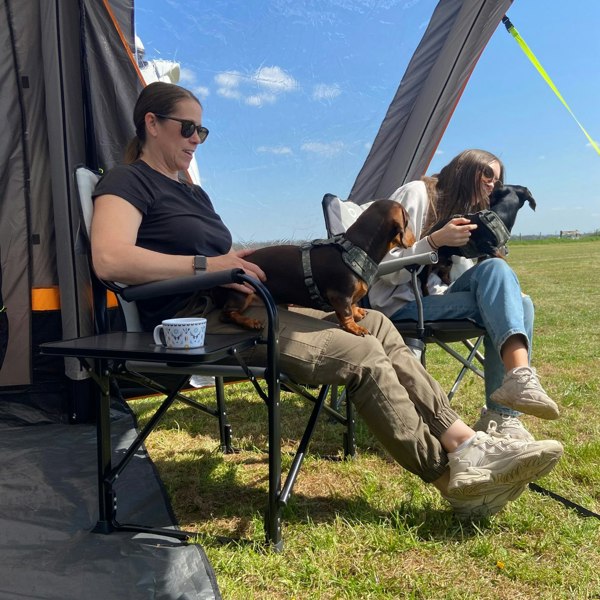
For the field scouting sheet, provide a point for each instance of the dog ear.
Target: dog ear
(398, 219)
(530, 199)
(406, 235)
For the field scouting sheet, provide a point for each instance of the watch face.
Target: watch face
(200, 263)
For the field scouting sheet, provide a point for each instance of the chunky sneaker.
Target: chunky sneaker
(492, 460)
(485, 506)
(521, 390)
(505, 425)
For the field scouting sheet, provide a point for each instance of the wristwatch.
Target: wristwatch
(199, 263)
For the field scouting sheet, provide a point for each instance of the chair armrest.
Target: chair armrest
(181, 285)
(390, 266)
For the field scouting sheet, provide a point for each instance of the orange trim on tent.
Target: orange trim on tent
(111, 300)
(123, 40)
(43, 299)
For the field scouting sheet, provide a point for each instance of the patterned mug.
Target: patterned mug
(186, 332)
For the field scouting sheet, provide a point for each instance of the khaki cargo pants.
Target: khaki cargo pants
(402, 405)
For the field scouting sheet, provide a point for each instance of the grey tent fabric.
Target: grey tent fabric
(48, 507)
(68, 87)
(430, 89)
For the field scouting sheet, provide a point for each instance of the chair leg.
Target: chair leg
(349, 434)
(468, 366)
(335, 398)
(224, 426)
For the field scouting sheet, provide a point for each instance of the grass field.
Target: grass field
(366, 529)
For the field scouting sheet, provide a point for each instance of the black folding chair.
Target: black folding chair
(132, 356)
(339, 215)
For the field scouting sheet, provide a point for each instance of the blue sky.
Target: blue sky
(294, 92)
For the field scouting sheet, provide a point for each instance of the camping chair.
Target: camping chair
(339, 215)
(132, 356)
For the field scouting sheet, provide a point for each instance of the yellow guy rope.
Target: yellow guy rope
(531, 56)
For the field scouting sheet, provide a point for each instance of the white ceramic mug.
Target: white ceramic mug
(187, 332)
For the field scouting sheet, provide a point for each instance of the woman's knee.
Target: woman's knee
(528, 317)
(528, 308)
(494, 267)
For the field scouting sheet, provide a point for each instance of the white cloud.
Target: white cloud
(275, 149)
(322, 149)
(260, 99)
(261, 87)
(274, 79)
(323, 91)
(201, 91)
(186, 76)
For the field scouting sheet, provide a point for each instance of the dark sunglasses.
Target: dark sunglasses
(188, 127)
(489, 175)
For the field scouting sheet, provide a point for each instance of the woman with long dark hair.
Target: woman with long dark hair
(488, 293)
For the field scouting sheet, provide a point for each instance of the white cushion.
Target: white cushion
(86, 182)
(340, 214)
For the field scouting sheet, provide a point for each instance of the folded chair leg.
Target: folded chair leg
(467, 366)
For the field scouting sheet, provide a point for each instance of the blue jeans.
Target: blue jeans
(489, 294)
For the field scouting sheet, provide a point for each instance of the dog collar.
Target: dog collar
(359, 262)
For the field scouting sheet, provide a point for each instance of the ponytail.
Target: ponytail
(133, 150)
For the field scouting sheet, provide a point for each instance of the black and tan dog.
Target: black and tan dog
(341, 268)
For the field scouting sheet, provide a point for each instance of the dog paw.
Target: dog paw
(359, 313)
(357, 330)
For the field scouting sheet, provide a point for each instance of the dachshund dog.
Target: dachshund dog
(383, 226)
(505, 201)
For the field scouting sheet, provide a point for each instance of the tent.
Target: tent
(69, 82)
(60, 65)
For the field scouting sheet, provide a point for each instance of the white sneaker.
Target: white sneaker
(490, 461)
(485, 506)
(505, 425)
(521, 390)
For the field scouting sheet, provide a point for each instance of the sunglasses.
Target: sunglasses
(188, 127)
(488, 175)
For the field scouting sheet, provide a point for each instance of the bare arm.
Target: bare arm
(115, 256)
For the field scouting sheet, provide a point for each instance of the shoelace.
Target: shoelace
(494, 438)
(508, 422)
(528, 376)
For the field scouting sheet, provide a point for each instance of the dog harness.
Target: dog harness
(359, 262)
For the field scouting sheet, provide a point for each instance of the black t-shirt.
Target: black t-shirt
(177, 218)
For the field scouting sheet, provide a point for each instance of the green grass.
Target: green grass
(366, 529)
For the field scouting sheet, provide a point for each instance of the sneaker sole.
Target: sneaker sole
(547, 410)
(481, 482)
(488, 507)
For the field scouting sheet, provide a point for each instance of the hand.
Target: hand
(455, 233)
(235, 260)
